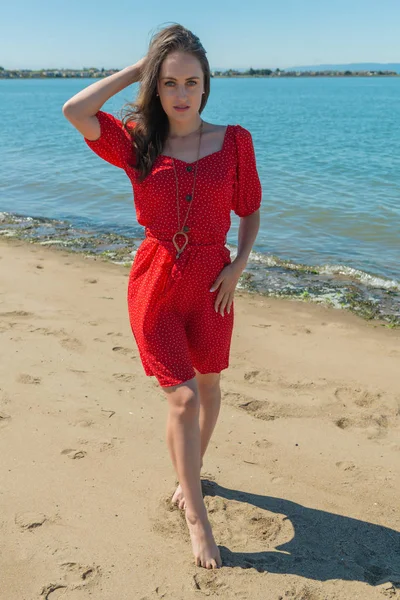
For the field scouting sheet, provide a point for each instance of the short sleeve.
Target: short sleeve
(247, 193)
(114, 144)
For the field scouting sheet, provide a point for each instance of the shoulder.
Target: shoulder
(243, 139)
(109, 121)
(241, 132)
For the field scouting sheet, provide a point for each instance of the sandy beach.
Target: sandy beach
(301, 478)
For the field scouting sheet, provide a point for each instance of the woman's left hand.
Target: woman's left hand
(226, 281)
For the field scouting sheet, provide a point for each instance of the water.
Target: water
(328, 157)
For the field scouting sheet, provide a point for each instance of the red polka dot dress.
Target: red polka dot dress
(171, 308)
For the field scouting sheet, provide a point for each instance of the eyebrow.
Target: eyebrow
(194, 77)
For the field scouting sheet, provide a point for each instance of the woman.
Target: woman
(187, 175)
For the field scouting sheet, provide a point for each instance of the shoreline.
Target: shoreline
(375, 298)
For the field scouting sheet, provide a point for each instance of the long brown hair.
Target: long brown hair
(152, 126)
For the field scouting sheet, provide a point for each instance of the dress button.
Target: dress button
(188, 197)
(186, 229)
(188, 168)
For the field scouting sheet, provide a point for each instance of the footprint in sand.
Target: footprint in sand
(102, 445)
(16, 313)
(74, 454)
(125, 377)
(258, 376)
(293, 405)
(68, 342)
(263, 444)
(89, 280)
(82, 423)
(4, 419)
(346, 465)
(374, 425)
(47, 591)
(261, 409)
(304, 384)
(75, 576)
(71, 343)
(30, 520)
(108, 445)
(124, 351)
(343, 423)
(303, 592)
(25, 378)
(357, 396)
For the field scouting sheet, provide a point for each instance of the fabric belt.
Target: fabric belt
(171, 268)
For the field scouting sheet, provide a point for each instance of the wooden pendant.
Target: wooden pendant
(180, 250)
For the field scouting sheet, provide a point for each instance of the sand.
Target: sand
(301, 477)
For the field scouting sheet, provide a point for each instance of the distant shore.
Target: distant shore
(94, 73)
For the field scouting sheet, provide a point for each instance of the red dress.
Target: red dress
(171, 309)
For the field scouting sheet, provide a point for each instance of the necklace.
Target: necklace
(182, 230)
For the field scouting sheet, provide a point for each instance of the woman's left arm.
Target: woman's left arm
(230, 275)
(248, 230)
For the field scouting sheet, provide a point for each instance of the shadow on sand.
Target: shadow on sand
(325, 546)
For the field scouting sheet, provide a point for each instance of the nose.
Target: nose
(181, 92)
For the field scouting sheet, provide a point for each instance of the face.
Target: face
(180, 84)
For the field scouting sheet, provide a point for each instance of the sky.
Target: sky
(74, 34)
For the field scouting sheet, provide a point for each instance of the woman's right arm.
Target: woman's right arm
(81, 109)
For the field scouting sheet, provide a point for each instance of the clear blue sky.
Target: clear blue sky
(235, 33)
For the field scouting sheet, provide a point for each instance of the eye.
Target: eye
(192, 82)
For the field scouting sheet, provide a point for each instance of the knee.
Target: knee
(184, 403)
(208, 385)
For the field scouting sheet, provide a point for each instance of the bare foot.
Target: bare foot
(178, 498)
(205, 550)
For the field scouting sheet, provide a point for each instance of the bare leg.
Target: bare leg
(184, 444)
(210, 403)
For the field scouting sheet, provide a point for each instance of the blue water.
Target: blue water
(327, 153)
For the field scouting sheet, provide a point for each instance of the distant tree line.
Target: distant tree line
(93, 72)
(282, 73)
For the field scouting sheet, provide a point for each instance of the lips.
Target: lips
(181, 107)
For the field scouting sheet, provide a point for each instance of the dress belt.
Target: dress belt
(171, 268)
(194, 240)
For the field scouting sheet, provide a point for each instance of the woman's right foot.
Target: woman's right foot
(179, 498)
(205, 550)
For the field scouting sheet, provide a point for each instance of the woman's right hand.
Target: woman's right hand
(140, 64)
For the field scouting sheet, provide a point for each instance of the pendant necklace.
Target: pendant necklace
(182, 230)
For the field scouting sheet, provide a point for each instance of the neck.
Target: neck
(178, 129)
